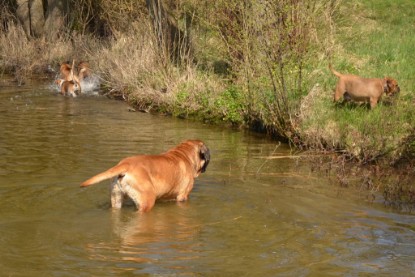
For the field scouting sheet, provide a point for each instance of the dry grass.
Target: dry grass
(19, 55)
(132, 67)
(317, 136)
(24, 58)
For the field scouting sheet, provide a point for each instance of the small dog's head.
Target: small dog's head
(391, 86)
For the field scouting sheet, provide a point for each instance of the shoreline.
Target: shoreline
(393, 183)
(281, 88)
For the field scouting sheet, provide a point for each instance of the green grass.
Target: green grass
(372, 38)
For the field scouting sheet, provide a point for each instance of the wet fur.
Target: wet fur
(67, 74)
(145, 178)
(68, 88)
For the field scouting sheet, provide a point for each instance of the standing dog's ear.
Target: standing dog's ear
(204, 155)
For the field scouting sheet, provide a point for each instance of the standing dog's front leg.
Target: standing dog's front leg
(184, 194)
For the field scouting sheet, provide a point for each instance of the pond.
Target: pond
(258, 210)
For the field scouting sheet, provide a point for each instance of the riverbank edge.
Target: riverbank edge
(392, 181)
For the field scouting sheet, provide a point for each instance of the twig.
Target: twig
(282, 157)
(275, 149)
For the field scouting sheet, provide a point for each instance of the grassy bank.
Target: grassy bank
(253, 66)
(371, 39)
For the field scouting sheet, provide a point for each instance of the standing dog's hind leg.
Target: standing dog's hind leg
(117, 194)
(146, 202)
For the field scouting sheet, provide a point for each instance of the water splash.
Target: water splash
(91, 85)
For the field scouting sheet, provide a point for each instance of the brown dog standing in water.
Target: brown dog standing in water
(363, 89)
(145, 178)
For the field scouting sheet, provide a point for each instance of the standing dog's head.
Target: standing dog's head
(197, 152)
(204, 154)
(391, 86)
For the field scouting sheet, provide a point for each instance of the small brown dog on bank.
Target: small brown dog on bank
(68, 88)
(145, 178)
(363, 89)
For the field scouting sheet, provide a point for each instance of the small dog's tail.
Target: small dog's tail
(338, 74)
(119, 169)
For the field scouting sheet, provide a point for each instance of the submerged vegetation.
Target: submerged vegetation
(256, 64)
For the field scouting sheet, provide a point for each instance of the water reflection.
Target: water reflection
(165, 239)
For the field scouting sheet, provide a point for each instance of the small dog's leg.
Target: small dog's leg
(373, 103)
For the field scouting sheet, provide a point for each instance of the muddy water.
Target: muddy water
(257, 211)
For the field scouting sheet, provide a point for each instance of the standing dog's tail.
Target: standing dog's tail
(119, 169)
(338, 74)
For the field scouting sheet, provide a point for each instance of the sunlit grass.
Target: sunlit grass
(372, 39)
